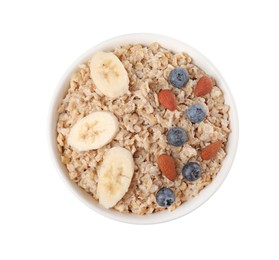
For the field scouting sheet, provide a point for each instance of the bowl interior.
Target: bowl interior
(200, 61)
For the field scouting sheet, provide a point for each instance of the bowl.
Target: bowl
(201, 61)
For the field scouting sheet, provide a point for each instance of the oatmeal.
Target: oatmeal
(165, 105)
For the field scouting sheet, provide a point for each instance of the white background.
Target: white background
(41, 219)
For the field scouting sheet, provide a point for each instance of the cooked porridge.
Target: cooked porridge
(142, 129)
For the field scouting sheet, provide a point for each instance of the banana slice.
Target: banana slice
(93, 131)
(109, 74)
(115, 175)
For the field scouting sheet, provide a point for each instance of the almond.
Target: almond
(167, 166)
(204, 86)
(167, 99)
(211, 150)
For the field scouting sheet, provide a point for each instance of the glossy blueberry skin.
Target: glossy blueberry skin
(165, 197)
(177, 136)
(196, 113)
(179, 77)
(191, 171)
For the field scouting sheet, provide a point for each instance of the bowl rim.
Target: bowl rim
(199, 60)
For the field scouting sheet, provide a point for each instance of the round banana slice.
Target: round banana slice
(93, 131)
(109, 74)
(115, 175)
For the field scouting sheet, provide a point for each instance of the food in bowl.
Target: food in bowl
(142, 129)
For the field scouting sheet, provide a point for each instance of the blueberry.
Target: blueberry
(165, 197)
(177, 136)
(191, 171)
(196, 113)
(179, 77)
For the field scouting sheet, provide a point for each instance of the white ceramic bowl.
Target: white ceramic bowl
(200, 61)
